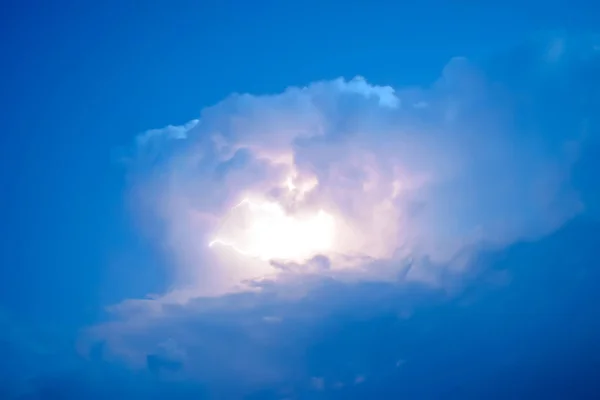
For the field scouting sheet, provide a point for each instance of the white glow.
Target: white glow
(263, 229)
(290, 184)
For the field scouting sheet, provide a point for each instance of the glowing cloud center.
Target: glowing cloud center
(264, 230)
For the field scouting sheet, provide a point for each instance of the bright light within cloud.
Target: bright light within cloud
(263, 229)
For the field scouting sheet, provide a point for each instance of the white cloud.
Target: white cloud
(417, 180)
(403, 183)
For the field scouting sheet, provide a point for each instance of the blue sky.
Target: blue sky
(508, 136)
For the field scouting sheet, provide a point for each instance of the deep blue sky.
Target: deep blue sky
(79, 80)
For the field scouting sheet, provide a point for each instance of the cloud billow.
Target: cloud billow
(417, 181)
(421, 174)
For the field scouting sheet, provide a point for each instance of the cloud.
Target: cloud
(420, 183)
(402, 338)
(408, 174)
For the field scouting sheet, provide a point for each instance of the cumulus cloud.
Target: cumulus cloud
(280, 211)
(406, 174)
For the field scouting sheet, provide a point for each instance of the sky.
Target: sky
(278, 200)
